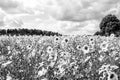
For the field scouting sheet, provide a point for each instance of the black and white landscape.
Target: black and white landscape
(59, 40)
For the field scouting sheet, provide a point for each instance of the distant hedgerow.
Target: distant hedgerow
(28, 32)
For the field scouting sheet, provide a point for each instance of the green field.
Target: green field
(59, 58)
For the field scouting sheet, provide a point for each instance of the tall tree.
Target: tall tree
(110, 24)
(106, 20)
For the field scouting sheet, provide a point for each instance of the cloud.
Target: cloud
(69, 26)
(8, 4)
(13, 22)
(80, 16)
(10, 13)
(2, 15)
(87, 27)
(9, 20)
(14, 7)
(80, 10)
(2, 23)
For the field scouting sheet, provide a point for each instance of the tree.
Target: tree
(99, 33)
(106, 20)
(109, 24)
(28, 32)
(112, 27)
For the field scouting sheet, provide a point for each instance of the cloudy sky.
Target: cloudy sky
(63, 16)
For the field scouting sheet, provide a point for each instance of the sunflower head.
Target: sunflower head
(104, 46)
(85, 49)
(49, 49)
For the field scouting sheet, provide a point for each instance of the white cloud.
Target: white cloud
(87, 27)
(91, 27)
(8, 4)
(80, 10)
(9, 20)
(2, 15)
(12, 22)
(10, 12)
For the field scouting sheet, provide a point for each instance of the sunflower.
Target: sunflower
(66, 44)
(104, 46)
(42, 72)
(112, 35)
(57, 41)
(78, 38)
(59, 71)
(107, 68)
(91, 39)
(65, 55)
(49, 50)
(92, 46)
(65, 40)
(78, 47)
(45, 48)
(31, 54)
(85, 49)
(43, 43)
(112, 76)
(78, 43)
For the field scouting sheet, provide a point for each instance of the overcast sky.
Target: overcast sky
(63, 16)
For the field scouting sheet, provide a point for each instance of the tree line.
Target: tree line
(110, 24)
(18, 32)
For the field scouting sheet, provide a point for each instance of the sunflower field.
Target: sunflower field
(59, 58)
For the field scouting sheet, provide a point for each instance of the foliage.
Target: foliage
(98, 33)
(28, 32)
(110, 24)
(112, 27)
(59, 58)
